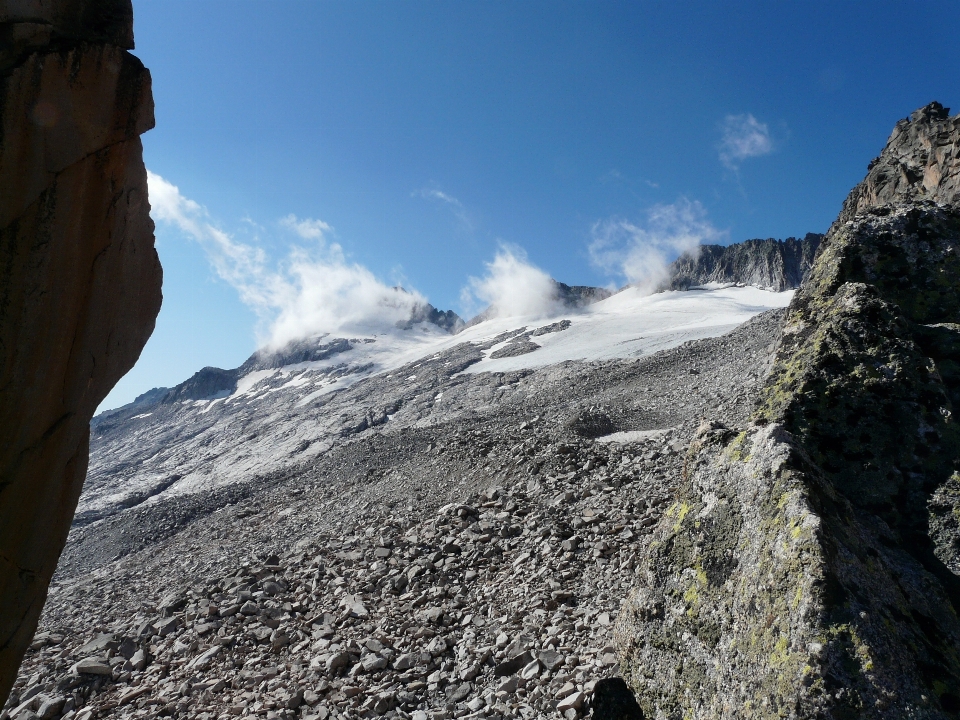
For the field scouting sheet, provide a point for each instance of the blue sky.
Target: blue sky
(412, 141)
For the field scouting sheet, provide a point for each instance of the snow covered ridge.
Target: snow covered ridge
(627, 324)
(275, 417)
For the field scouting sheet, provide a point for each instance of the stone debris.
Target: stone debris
(484, 608)
(470, 570)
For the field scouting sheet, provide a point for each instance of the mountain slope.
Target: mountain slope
(223, 427)
(808, 566)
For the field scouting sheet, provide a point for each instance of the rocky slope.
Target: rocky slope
(79, 277)
(771, 264)
(200, 436)
(808, 566)
(466, 561)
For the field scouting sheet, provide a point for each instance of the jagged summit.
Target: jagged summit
(577, 296)
(921, 161)
(445, 319)
(770, 264)
(810, 564)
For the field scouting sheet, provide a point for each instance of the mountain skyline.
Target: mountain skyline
(421, 139)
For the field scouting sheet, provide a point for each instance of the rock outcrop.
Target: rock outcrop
(770, 264)
(79, 276)
(809, 566)
(921, 161)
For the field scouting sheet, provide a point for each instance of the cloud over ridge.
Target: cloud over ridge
(641, 253)
(314, 290)
(512, 286)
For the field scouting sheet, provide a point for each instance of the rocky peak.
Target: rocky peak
(810, 565)
(921, 161)
(770, 264)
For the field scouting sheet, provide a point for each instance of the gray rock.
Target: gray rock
(166, 626)
(99, 645)
(338, 661)
(272, 588)
(551, 659)
(92, 666)
(372, 663)
(458, 693)
(405, 661)
(204, 659)
(513, 665)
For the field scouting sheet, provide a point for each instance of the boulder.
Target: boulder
(79, 276)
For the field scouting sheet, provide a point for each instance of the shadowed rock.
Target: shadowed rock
(612, 700)
(771, 264)
(79, 276)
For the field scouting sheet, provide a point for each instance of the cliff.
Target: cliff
(772, 264)
(808, 566)
(79, 276)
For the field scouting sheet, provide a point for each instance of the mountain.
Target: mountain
(771, 264)
(718, 502)
(810, 566)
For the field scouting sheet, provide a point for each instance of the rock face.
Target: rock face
(79, 277)
(920, 162)
(809, 566)
(772, 264)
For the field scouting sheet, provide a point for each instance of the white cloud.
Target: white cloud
(307, 229)
(743, 137)
(641, 253)
(512, 286)
(313, 291)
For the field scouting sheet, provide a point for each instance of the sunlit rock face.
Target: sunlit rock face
(921, 161)
(809, 566)
(79, 277)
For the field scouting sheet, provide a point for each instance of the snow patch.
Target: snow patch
(632, 436)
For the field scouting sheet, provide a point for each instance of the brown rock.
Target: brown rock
(79, 276)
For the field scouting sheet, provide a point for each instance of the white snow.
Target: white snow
(631, 436)
(628, 324)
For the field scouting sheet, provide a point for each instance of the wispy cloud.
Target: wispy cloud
(454, 204)
(438, 195)
(743, 137)
(641, 253)
(511, 286)
(313, 290)
(307, 229)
